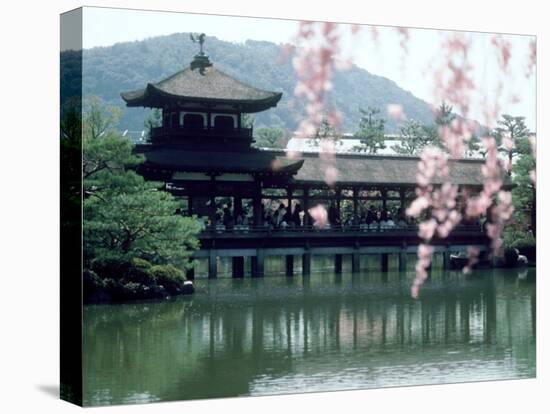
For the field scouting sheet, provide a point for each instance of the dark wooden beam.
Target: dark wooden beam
(306, 206)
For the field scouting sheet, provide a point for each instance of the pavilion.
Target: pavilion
(202, 151)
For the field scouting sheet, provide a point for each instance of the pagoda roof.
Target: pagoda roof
(387, 170)
(252, 160)
(353, 169)
(202, 83)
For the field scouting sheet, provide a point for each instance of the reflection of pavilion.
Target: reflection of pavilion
(202, 151)
(270, 336)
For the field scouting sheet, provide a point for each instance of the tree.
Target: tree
(154, 120)
(371, 131)
(443, 118)
(444, 115)
(524, 192)
(512, 136)
(326, 132)
(126, 217)
(414, 137)
(247, 120)
(98, 118)
(474, 146)
(270, 138)
(138, 222)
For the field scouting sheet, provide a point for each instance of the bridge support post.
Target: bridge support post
(446, 259)
(338, 263)
(306, 263)
(258, 264)
(190, 273)
(384, 259)
(403, 260)
(355, 262)
(212, 264)
(289, 265)
(238, 267)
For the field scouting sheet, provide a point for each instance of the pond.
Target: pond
(324, 332)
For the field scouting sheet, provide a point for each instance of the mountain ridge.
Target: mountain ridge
(124, 66)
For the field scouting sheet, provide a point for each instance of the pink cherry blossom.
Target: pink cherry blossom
(395, 111)
(473, 254)
(293, 155)
(319, 215)
(507, 143)
(426, 229)
(532, 59)
(331, 175)
(424, 253)
(503, 48)
(317, 58)
(405, 36)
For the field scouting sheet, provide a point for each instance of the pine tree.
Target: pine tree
(270, 138)
(513, 128)
(414, 137)
(126, 217)
(371, 131)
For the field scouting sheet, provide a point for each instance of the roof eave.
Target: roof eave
(147, 98)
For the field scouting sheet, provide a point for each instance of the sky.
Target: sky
(411, 67)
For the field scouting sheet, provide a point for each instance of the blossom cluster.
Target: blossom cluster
(440, 201)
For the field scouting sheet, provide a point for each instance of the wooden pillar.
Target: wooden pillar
(446, 259)
(306, 262)
(306, 206)
(355, 202)
(384, 194)
(338, 203)
(384, 258)
(238, 267)
(338, 263)
(190, 273)
(289, 199)
(257, 204)
(402, 199)
(289, 265)
(212, 210)
(212, 264)
(403, 259)
(237, 206)
(257, 263)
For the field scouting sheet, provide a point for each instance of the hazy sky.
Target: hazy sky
(385, 57)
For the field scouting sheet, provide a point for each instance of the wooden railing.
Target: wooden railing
(254, 231)
(162, 133)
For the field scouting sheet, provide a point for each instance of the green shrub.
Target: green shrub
(138, 271)
(140, 263)
(111, 268)
(168, 276)
(131, 280)
(527, 247)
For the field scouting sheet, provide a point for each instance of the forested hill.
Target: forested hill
(107, 71)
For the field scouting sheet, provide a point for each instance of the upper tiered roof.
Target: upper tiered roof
(201, 82)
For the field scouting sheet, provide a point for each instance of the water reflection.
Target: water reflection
(316, 333)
